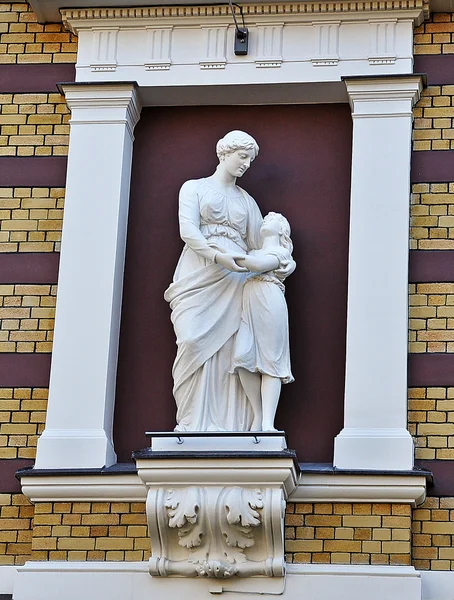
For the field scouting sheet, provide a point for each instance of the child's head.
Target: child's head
(275, 223)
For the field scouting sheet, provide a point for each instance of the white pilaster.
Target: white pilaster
(78, 431)
(375, 434)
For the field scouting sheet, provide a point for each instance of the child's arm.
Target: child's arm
(259, 264)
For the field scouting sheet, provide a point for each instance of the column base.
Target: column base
(74, 449)
(374, 449)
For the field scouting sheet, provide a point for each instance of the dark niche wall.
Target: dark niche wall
(303, 171)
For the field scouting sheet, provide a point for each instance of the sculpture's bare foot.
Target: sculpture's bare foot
(269, 428)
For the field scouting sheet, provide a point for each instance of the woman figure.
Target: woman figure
(261, 351)
(219, 222)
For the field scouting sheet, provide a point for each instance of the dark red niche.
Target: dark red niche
(8, 482)
(35, 78)
(443, 476)
(24, 370)
(28, 267)
(33, 171)
(303, 171)
(431, 266)
(438, 67)
(432, 166)
(425, 370)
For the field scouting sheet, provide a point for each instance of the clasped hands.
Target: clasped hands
(238, 263)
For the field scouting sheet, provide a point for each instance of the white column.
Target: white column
(79, 421)
(375, 434)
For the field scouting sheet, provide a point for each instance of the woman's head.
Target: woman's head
(236, 140)
(275, 223)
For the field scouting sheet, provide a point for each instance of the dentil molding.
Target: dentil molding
(292, 9)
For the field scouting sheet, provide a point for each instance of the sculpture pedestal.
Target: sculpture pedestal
(217, 513)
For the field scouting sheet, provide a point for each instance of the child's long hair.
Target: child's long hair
(284, 234)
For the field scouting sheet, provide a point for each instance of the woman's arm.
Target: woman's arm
(259, 264)
(189, 219)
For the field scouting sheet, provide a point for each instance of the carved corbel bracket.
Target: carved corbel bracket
(220, 528)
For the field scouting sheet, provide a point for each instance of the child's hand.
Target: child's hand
(286, 268)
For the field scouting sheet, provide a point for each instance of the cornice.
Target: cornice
(291, 10)
(312, 487)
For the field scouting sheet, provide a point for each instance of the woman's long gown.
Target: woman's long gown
(206, 302)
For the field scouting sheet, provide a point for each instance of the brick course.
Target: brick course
(31, 219)
(16, 522)
(22, 418)
(27, 317)
(23, 40)
(434, 115)
(433, 535)
(435, 36)
(431, 314)
(340, 533)
(432, 216)
(33, 125)
(431, 422)
(74, 531)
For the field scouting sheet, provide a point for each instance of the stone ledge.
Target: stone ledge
(317, 483)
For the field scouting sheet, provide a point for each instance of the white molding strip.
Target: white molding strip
(311, 488)
(361, 488)
(119, 580)
(86, 488)
(291, 568)
(356, 570)
(8, 574)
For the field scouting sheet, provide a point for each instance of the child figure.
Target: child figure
(261, 355)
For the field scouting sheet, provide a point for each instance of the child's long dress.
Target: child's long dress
(262, 341)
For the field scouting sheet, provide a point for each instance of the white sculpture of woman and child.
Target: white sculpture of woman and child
(227, 299)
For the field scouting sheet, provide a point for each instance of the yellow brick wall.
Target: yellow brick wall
(431, 422)
(377, 534)
(433, 119)
(22, 417)
(24, 40)
(27, 317)
(74, 531)
(435, 36)
(31, 219)
(16, 522)
(432, 216)
(431, 324)
(433, 535)
(33, 125)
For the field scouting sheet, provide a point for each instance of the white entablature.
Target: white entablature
(299, 42)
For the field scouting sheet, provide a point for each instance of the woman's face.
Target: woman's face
(238, 162)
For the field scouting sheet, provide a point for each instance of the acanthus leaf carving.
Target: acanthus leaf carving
(182, 508)
(214, 527)
(241, 516)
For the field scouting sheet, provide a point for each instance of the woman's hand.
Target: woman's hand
(227, 261)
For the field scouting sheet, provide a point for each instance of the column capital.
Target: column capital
(103, 102)
(386, 95)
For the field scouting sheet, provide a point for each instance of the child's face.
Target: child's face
(270, 226)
